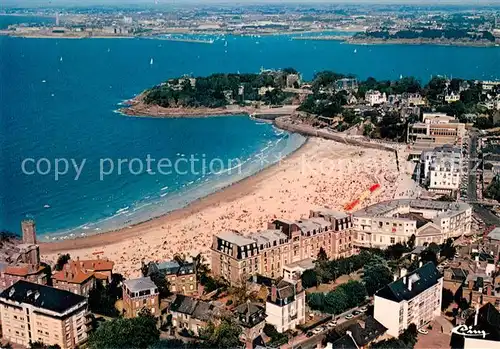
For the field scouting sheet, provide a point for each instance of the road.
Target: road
(304, 342)
(472, 187)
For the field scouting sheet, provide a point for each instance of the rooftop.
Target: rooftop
(73, 273)
(265, 236)
(41, 296)
(411, 285)
(140, 284)
(494, 234)
(235, 238)
(331, 213)
(384, 208)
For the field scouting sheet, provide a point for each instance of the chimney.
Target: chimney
(402, 272)
(471, 284)
(274, 293)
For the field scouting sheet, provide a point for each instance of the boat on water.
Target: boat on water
(151, 61)
(60, 59)
(355, 51)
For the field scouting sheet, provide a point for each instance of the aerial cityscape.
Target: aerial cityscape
(285, 175)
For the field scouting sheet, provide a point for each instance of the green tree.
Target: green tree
(376, 274)
(355, 292)
(409, 336)
(226, 335)
(336, 302)
(39, 345)
(309, 278)
(139, 332)
(322, 256)
(62, 260)
(447, 299)
(316, 300)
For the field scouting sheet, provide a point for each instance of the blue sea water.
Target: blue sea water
(58, 100)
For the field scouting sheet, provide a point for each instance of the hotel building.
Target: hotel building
(436, 129)
(414, 298)
(394, 221)
(32, 312)
(440, 169)
(235, 256)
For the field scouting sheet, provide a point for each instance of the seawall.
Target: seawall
(311, 131)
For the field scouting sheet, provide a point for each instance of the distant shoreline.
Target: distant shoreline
(369, 41)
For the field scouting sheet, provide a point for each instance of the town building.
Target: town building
(440, 169)
(436, 129)
(361, 334)
(296, 269)
(390, 222)
(251, 317)
(24, 262)
(413, 298)
(139, 294)
(292, 80)
(191, 314)
(80, 276)
(31, 312)
(485, 320)
(74, 279)
(235, 256)
(451, 97)
(346, 84)
(375, 97)
(286, 305)
(181, 277)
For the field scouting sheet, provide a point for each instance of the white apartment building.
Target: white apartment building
(375, 97)
(414, 298)
(32, 312)
(394, 221)
(440, 169)
(286, 305)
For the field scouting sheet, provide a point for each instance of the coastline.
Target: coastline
(226, 194)
(136, 107)
(321, 173)
(369, 41)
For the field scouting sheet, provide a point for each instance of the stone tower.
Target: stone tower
(29, 233)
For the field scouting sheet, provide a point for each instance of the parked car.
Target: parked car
(356, 312)
(363, 309)
(309, 334)
(422, 331)
(349, 316)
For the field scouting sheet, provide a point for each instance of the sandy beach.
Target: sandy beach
(322, 173)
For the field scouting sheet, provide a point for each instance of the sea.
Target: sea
(59, 100)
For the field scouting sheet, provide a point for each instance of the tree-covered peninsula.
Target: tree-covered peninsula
(220, 90)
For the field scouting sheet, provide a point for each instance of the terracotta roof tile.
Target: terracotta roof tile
(72, 273)
(23, 270)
